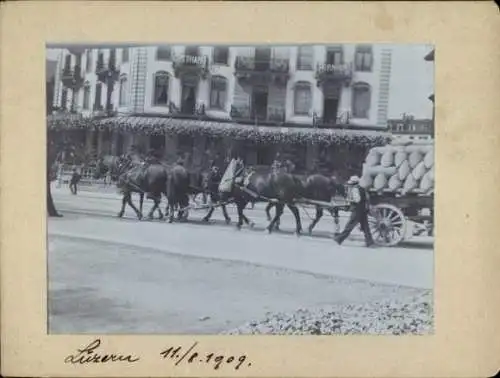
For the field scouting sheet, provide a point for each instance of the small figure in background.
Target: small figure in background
(75, 179)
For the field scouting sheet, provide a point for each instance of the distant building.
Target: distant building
(320, 87)
(50, 74)
(430, 58)
(410, 129)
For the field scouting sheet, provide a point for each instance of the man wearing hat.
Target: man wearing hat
(359, 212)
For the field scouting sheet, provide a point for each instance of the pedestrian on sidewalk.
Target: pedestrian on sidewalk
(359, 212)
(75, 178)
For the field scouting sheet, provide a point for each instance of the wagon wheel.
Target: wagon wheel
(387, 224)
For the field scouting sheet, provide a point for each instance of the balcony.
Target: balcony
(272, 115)
(72, 78)
(342, 121)
(106, 72)
(191, 65)
(337, 73)
(262, 72)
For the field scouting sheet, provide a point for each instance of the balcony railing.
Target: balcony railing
(72, 78)
(334, 72)
(257, 71)
(273, 114)
(191, 65)
(342, 121)
(107, 71)
(250, 64)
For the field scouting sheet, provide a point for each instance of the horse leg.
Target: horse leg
(269, 206)
(155, 206)
(279, 211)
(129, 202)
(160, 214)
(124, 202)
(296, 214)
(336, 220)
(226, 216)
(239, 207)
(319, 214)
(277, 224)
(206, 218)
(171, 210)
(141, 200)
(246, 220)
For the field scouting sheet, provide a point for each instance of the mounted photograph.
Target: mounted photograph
(240, 189)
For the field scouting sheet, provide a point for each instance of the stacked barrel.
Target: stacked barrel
(401, 169)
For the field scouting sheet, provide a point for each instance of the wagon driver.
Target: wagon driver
(359, 212)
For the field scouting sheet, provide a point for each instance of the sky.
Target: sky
(412, 80)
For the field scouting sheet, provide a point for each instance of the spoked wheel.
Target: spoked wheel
(387, 225)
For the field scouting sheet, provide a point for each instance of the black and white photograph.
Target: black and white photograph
(240, 189)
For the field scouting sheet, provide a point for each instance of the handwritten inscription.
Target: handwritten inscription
(90, 354)
(192, 355)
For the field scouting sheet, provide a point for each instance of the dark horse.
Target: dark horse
(282, 188)
(149, 180)
(178, 190)
(318, 187)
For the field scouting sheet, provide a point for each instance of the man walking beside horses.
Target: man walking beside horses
(359, 212)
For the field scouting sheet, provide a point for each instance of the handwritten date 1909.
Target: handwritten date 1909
(190, 356)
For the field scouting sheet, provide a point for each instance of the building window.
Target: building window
(305, 58)
(161, 80)
(125, 55)
(164, 53)
(361, 98)
(88, 63)
(100, 61)
(98, 93)
(86, 96)
(67, 62)
(302, 98)
(191, 50)
(123, 91)
(64, 99)
(364, 58)
(221, 55)
(334, 55)
(218, 92)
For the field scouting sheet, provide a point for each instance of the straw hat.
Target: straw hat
(353, 180)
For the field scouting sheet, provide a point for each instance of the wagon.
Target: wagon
(394, 218)
(401, 212)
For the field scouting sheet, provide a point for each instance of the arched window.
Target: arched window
(86, 96)
(164, 53)
(123, 90)
(361, 98)
(363, 58)
(218, 92)
(302, 98)
(161, 84)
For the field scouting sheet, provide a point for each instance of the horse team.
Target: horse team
(236, 184)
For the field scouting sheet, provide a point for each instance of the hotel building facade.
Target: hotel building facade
(305, 87)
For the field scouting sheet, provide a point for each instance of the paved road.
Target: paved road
(122, 275)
